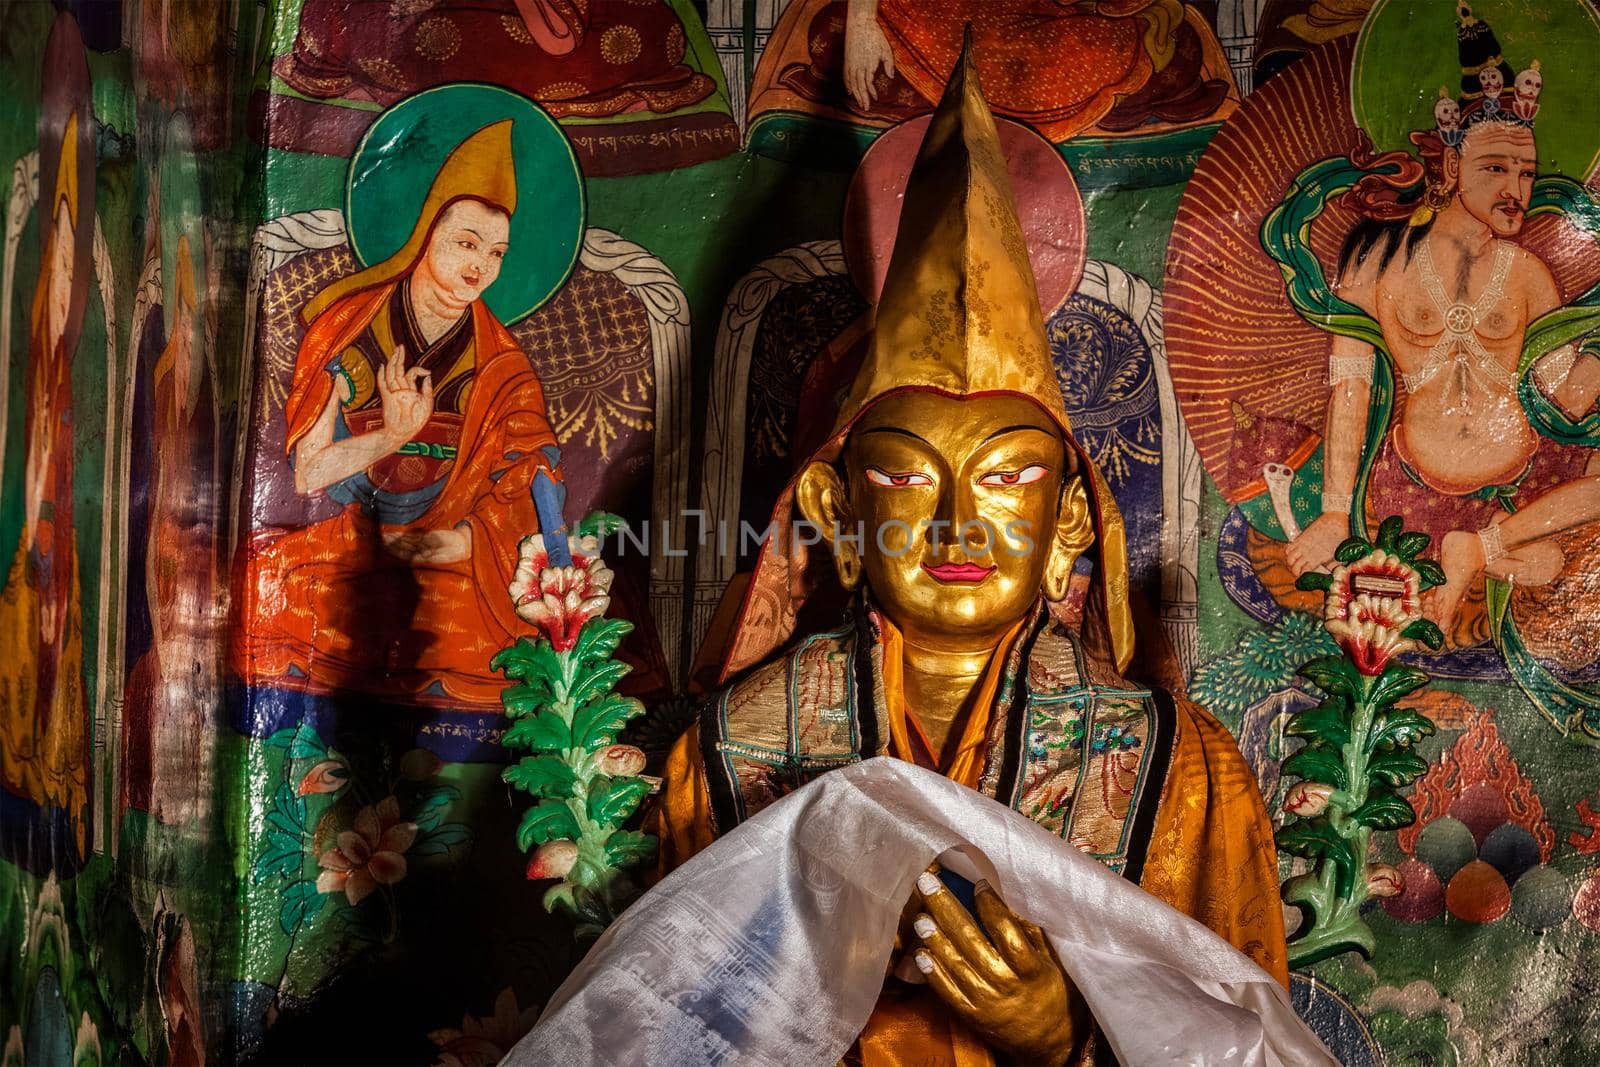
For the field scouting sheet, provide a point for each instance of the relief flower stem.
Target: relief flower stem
(590, 870)
(1336, 925)
(1357, 751)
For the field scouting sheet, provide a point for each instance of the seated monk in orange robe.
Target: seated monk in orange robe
(415, 407)
(586, 59)
(1059, 66)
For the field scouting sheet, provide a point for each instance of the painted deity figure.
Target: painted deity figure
(416, 409)
(956, 504)
(165, 771)
(43, 714)
(1454, 294)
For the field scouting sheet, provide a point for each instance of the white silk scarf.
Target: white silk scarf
(770, 946)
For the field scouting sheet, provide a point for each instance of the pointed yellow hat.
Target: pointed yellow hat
(479, 168)
(959, 315)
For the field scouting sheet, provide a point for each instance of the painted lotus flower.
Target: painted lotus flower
(370, 854)
(559, 600)
(1307, 799)
(1370, 603)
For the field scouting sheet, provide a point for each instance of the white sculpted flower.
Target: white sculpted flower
(559, 600)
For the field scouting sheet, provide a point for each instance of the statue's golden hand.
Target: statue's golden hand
(1011, 990)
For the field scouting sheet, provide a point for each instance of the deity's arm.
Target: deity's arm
(1350, 367)
(1565, 374)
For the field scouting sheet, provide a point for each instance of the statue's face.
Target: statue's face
(467, 248)
(1498, 164)
(959, 501)
(59, 300)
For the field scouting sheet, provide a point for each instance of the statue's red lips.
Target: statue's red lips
(959, 572)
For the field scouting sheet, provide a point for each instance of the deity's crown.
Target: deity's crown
(1490, 90)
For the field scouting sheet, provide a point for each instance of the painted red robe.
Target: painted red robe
(327, 608)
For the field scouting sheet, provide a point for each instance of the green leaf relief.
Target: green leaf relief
(1408, 545)
(1334, 675)
(531, 662)
(543, 776)
(612, 800)
(1314, 582)
(596, 681)
(1396, 767)
(547, 820)
(1326, 723)
(544, 731)
(1317, 765)
(630, 848)
(1396, 681)
(1430, 572)
(1389, 532)
(1399, 726)
(1351, 549)
(1426, 632)
(1316, 839)
(599, 640)
(438, 842)
(595, 725)
(1384, 811)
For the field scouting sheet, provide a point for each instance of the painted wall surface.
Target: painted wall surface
(250, 793)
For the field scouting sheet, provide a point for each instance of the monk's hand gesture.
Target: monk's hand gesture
(1007, 986)
(407, 397)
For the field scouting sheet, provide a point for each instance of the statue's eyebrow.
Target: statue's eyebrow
(897, 430)
(1012, 429)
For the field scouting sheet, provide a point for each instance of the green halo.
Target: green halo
(401, 153)
(1407, 49)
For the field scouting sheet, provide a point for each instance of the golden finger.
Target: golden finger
(977, 985)
(944, 986)
(1007, 932)
(954, 922)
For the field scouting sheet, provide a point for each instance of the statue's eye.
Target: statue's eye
(896, 481)
(1026, 476)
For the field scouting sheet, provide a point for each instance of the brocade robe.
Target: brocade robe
(1146, 782)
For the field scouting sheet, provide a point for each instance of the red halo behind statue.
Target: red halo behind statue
(1048, 206)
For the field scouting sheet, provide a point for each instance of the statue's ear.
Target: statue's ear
(1074, 533)
(821, 496)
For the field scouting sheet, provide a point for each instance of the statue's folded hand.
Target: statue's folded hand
(1007, 986)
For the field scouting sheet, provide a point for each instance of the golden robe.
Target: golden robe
(1148, 783)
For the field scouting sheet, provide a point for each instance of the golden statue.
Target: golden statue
(956, 503)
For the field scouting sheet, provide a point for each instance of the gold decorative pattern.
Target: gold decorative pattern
(675, 45)
(620, 44)
(438, 38)
(516, 29)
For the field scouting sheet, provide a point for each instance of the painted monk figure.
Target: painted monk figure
(1454, 294)
(43, 712)
(577, 58)
(413, 406)
(956, 503)
(1064, 68)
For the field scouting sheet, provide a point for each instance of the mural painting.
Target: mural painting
(314, 312)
